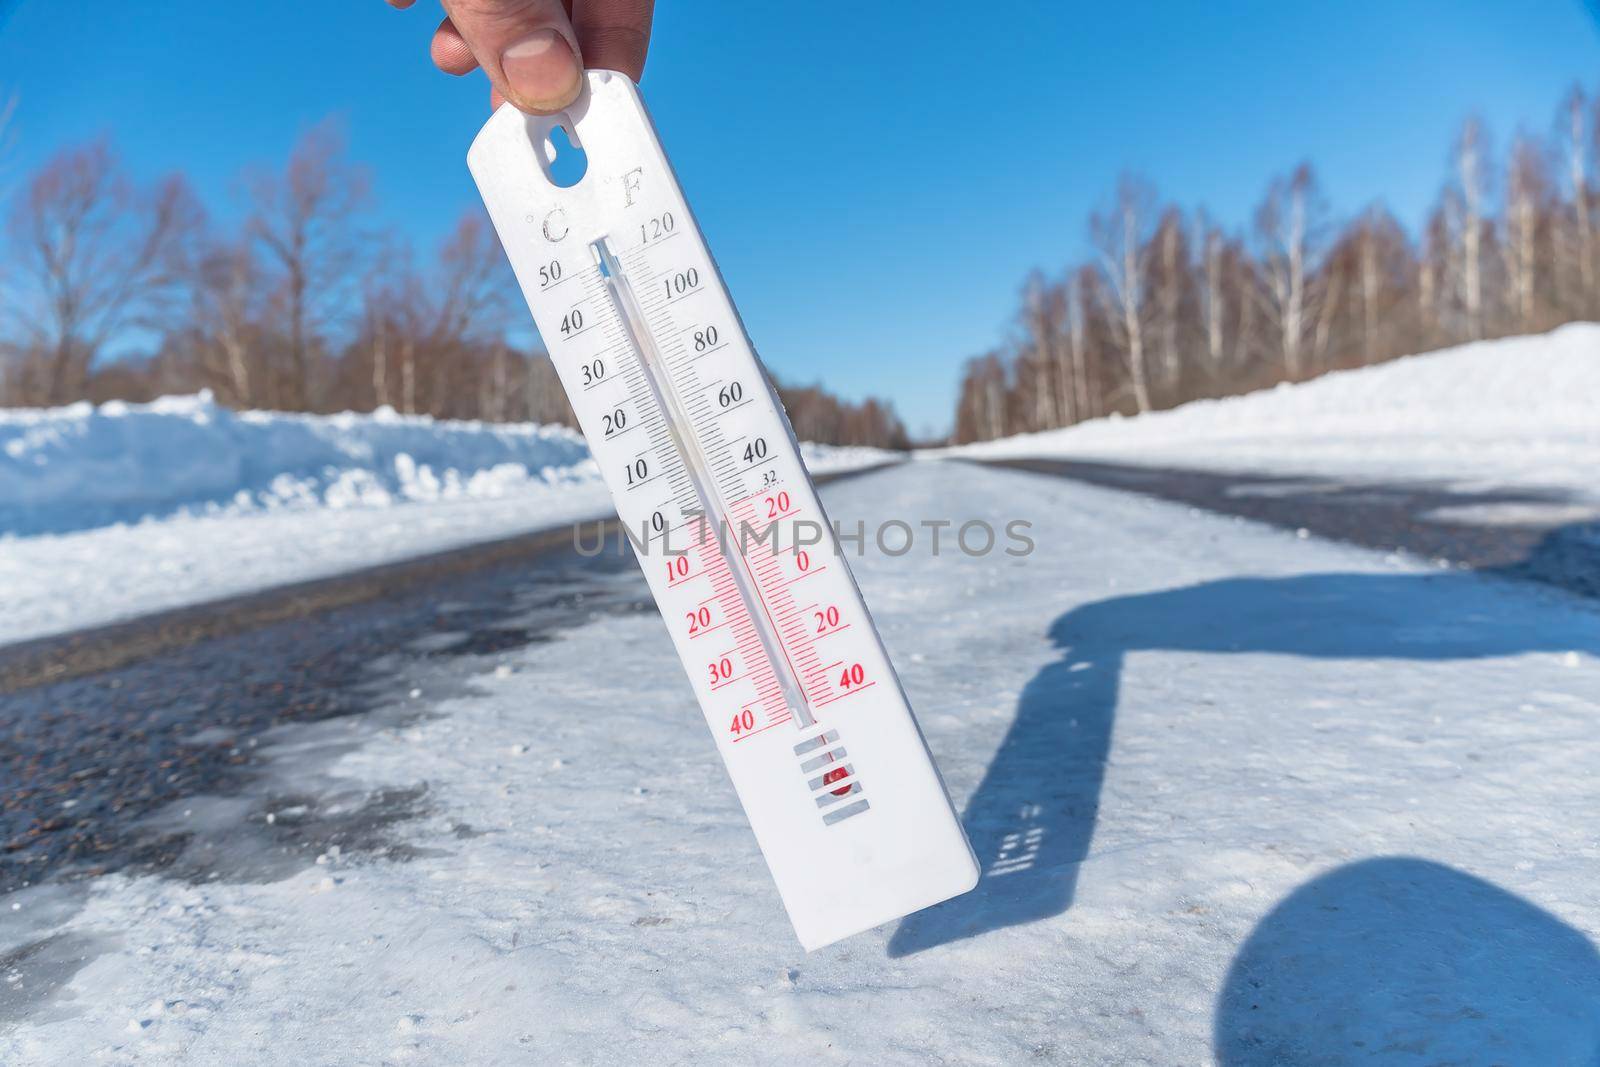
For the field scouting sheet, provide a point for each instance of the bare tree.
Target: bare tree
(1045, 355)
(1527, 186)
(1436, 279)
(1078, 345)
(93, 265)
(1213, 312)
(1471, 184)
(1170, 283)
(545, 400)
(378, 328)
(1372, 261)
(227, 321)
(1579, 250)
(304, 219)
(1288, 224)
(494, 387)
(89, 256)
(1064, 357)
(1370, 283)
(981, 411)
(421, 331)
(473, 279)
(1121, 235)
(465, 299)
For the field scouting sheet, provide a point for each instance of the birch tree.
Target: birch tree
(981, 409)
(1211, 298)
(1470, 179)
(1580, 241)
(1526, 191)
(1370, 281)
(1078, 344)
(1042, 327)
(1121, 235)
(1169, 285)
(1288, 222)
(227, 322)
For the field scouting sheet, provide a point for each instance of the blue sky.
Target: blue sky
(875, 184)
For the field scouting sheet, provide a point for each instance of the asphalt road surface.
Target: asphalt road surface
(107, 726)
(1518, 533)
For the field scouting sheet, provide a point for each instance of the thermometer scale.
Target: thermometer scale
(807, 712)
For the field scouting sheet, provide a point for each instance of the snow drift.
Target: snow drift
(111, 512)
(81, 466)
(1521, 409)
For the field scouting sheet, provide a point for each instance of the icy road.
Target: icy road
(1241, 797)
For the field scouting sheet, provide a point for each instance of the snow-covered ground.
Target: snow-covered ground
(125, 509)
(80, 467)
(1520, 411)
(1262, 800)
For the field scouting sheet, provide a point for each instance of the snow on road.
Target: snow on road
(1521, 411)
(1240, 798)
(118, 511)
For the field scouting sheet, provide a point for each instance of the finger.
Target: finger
(615, 34)
(526, 47)
(450, 52)
(401, 4)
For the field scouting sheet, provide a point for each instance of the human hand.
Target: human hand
(535, 51)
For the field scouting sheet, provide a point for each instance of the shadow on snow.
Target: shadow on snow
(1031, 819)
(1405, 961)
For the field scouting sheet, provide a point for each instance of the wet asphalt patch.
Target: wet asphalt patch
(91, 766)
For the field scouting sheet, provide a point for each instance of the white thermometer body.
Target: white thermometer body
(806, 710)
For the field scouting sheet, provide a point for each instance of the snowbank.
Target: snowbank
(825, 459)
(1522, 410)
(113, 512)
(82, 466)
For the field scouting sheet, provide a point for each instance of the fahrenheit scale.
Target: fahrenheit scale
(807, 712)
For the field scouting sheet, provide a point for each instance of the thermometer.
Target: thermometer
(703, 467)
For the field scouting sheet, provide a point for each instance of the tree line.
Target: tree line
(300, 306)
(1174, 307)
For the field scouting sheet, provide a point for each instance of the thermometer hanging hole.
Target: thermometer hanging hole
(565, 162)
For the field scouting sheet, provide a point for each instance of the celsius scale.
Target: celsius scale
(703, 467)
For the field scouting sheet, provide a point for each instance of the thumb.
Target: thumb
(526, 47)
